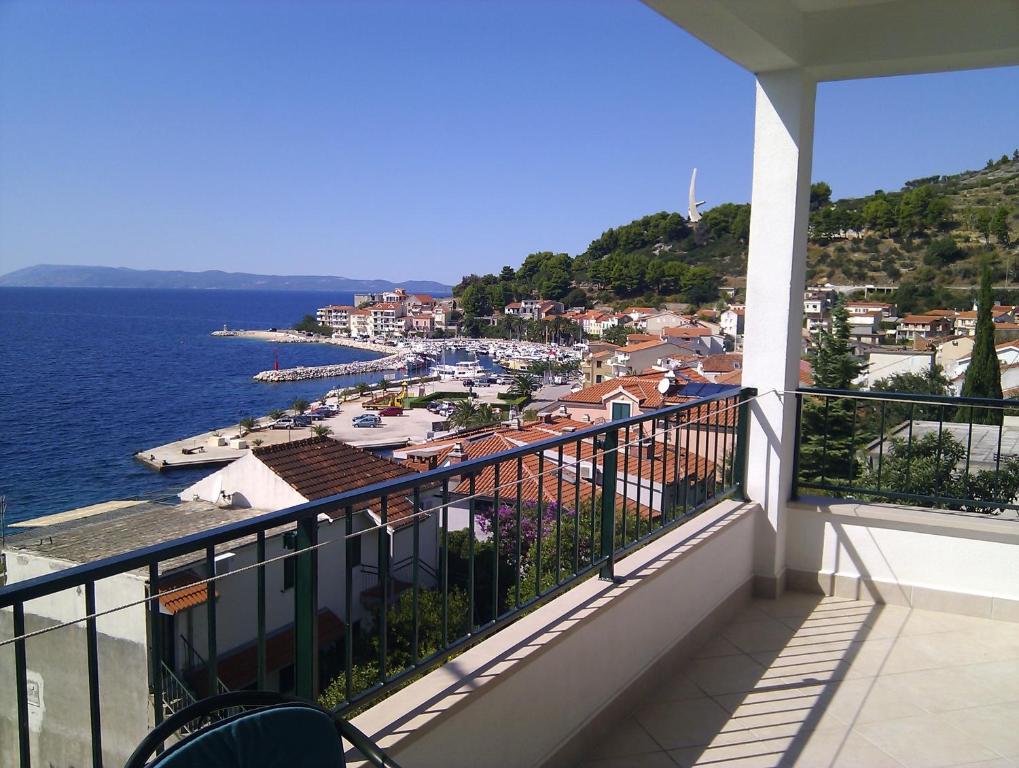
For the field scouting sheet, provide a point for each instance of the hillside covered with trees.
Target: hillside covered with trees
(934, 233)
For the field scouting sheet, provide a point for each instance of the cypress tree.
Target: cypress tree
(983, 376)
(829, 428)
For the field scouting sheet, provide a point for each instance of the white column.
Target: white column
(783, 146)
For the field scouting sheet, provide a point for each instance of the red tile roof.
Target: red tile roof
(730, 361)
(178, 591)
(688, 331)
(644, 388)
(318, 467)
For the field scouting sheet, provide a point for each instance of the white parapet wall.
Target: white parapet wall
(925, 558)
(531, 694)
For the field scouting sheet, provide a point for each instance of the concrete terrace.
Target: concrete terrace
(808, 680)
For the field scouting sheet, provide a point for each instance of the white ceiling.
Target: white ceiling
(844, 39)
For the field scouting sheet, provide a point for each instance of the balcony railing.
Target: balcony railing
(541, 518)
(951, 453)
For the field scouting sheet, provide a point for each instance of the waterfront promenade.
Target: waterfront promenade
(205, 449)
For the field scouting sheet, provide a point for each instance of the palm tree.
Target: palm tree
(276, 413)
(521, 386)
(321, 430)
(362, 389)
(468, 415)
(245, 425)
(300, 405)
(463, 415)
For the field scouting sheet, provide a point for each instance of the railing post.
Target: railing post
(610, 446)
(742, 440)
(305, 610)
(795, 492)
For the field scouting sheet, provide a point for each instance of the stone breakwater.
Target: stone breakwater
(304, 372)
(293, 337)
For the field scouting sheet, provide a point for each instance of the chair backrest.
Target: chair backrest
(292, 736)
(280, 731)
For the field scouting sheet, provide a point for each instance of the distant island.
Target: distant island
(68, 276)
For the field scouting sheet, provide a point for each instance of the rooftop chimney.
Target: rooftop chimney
(457, 454)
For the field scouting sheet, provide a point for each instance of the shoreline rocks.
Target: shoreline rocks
(305, 372)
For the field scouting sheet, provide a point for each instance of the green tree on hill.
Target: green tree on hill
(983, 376)
(999, 226)
(476, 302)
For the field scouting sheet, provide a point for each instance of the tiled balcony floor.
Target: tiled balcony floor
(815, 681)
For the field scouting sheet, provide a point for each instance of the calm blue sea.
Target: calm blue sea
(89, 376)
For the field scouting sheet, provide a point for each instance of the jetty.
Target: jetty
(305, 372)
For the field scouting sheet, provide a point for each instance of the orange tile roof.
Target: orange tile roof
(178, 591)
(642, 345)
(643, 387)
(921, 319)
(317, 467)
(722, 363)
(688, 331)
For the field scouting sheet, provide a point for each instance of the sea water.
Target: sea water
(89, 376)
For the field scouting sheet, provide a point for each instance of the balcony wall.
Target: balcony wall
(534, 693)
(905, 556)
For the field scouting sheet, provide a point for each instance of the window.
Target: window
(289, 569)
(354, 551)
(620, 410)
(290, 564)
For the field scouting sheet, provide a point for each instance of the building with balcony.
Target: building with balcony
(794, 617)
(636, 358)
(913, 327)
(336, 316)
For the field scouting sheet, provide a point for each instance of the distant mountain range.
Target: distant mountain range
(67, 276)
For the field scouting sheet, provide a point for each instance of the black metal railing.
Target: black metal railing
(952, 453)
(539, 519)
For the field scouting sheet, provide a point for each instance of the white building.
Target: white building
(732, 321)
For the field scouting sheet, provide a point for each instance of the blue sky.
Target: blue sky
(408, 139)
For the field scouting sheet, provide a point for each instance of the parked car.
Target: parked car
(468, 382)
(285, 422)
(325, 411)
(367, 420)
(303, 420)
(393, 410)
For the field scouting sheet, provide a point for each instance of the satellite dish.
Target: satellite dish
(664, 386)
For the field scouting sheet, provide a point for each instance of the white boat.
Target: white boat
(468, 369)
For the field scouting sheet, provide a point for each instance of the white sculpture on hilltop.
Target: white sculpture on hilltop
(693, 214)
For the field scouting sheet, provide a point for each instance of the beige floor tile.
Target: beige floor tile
(837, 749)
(626, 737)
(940, 690)
(649, 760)
(804, 681)
(863, 701)
(941, 649)
(691, 723)
(757, 753)
(993, 726)
(716, 646)
(791, 605)
(679, 688)
(1000, 677)
(727, 674)
(753, 636)
(921, 622)
(926, 741)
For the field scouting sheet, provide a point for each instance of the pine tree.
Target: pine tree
(828, 425)
(983, 376)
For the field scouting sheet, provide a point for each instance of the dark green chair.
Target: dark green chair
(271, 731)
